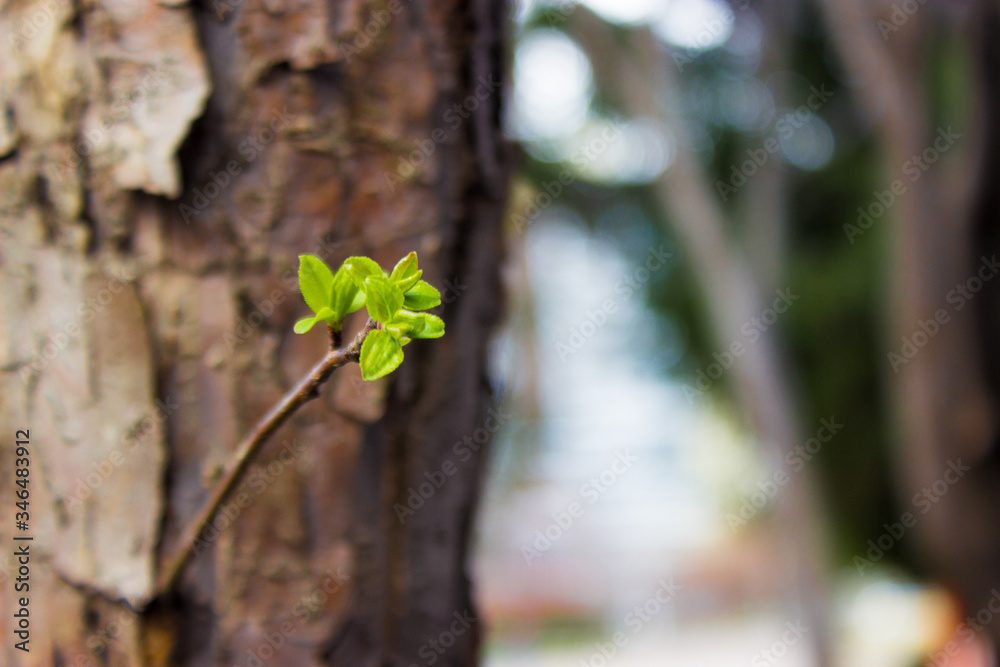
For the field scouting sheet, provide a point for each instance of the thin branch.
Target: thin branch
(307, 389)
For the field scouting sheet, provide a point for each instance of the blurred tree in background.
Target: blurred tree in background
(843, 150)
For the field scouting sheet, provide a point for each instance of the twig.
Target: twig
(307, 389)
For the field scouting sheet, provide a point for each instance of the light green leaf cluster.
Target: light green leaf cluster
(392, 300)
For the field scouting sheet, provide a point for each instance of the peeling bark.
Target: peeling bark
(161, 167)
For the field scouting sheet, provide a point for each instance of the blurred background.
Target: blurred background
(720, 384)
(748, 358)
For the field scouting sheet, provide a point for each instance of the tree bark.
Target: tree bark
(161, 167)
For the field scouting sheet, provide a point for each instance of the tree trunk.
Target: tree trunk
(161, 167)
(943, 236)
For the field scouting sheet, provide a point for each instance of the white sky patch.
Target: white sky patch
(697, 25)
(553, 84)
(595, 409)
(611, 152)
(621, 152)
(625, 12)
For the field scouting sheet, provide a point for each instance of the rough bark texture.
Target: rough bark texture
(161, 167)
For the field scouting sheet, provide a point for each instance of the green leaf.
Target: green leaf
(405, 323)
(327, 315)
(343, 294)
(406, 274)
(383, 298)
(324, 315)
(381, 354)
(408, 324)
(360, 268)
(433, 327)
(422, 296)
(358, 303)
(304, 325)
(315, 281)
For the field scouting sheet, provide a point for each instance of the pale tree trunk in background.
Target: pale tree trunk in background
(161, 167)
(639, 80)
(942, 227)
(765, 209)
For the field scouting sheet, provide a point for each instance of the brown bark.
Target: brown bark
(186, 338)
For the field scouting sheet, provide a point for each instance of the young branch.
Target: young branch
(308, 388)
